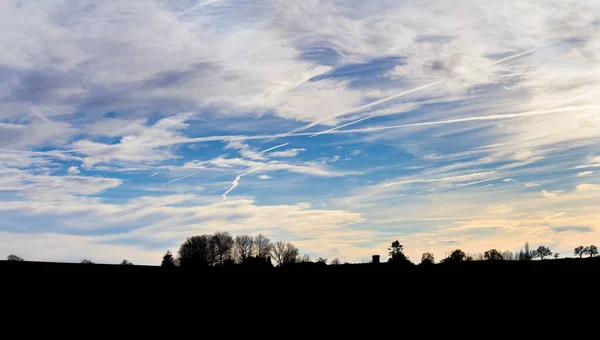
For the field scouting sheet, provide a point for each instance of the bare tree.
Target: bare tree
(580, 251)
(86, 261)
(263, 246)
(336, 262)
(556, 255)
(526, 255)
(542, 252)
(277, 252)
(14, 258)
(126, 263)
(305, 259)
(592, 250)
(508, 255)
(322, 260)
(284, 253)
(291, 253)
(222, 243)
(243, 247)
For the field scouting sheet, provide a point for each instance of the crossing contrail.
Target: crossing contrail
(341, 126)
(407, 92)
(295, 132)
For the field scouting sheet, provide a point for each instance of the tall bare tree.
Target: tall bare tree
(291, 253)
(262, 246)
(243, 247)
(222, 243)
(284, 253)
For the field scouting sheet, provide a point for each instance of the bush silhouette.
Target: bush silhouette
(493, 255)
(14, 258)
(427, 259)
(168, 261)
(455, 256)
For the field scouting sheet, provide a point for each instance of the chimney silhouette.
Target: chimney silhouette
(375, 258)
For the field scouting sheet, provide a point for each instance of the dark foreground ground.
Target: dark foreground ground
(539, 274)
(305, 293)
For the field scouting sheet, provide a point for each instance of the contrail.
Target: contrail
(552, 109)
(515, 56)
(154, 174)
(236, 181)
(180, 178)
(407, 92)
(377, 128)
(363, 107)
(341, 126)
(197, 6)
(273, 148)
(468, 119)
(295, 132)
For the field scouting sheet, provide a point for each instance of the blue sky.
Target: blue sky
(340, 126)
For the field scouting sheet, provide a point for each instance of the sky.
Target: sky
(340, 126)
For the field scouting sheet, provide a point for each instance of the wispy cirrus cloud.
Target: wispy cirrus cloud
(480, 125)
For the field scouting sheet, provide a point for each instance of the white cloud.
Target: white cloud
(144, 145)
(73, 170)
(36, 185)
(587, 187)
(169, 220)
(309, 168)
(584, 173)
(264, 177)
(460, 178)
(287, 59)
(245, 150)
(550, 194)
(34, 134)
(286, 153)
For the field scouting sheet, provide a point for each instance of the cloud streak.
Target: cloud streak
(461, 178)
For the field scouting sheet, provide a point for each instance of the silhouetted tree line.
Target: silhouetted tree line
(397, 256)
(222, 249)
